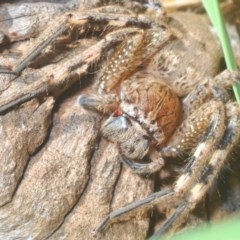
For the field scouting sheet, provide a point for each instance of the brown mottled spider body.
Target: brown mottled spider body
(146, 115)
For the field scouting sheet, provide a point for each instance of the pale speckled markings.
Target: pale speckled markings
(184, 179)
(207, 174)
(114, 71)
(77, 19)
(219, 157)
(137, 47)
(215, 120)
(230, 139)
(192, 129)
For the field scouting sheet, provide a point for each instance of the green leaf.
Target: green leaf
(215, 14)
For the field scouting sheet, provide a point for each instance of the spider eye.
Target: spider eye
(117, 113)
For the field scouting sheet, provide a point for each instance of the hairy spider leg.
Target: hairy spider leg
(69, 21)
(207, 174)
(49, 83)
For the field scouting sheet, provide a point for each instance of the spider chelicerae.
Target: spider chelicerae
(150, 113)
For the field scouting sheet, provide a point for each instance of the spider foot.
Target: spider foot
(130, 210)
(170, 222)
(226, 78)
(143, 168)
(105, 104)
(157, 162)
(7, 70)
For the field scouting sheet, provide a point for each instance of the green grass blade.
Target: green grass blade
(215, 14)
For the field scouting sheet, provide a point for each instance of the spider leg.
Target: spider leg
(230, 139)
(112, 72)
(211, 88)
(211, 122)
(210, 171)
(73, 20)
(179, 212)
(59, 26)
(157, 162)
(191, 131)
(136, 49)
(165, 195)
(58, 79)
(105, 104)
(227, 78)
(48, 36)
